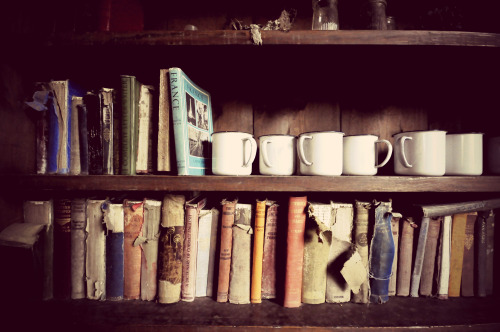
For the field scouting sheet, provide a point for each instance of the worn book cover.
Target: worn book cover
(239, 277)
(165, 126)
(205, 261)
(457, 253)
(95, 260)
(443, 259)
(106, 98)
(144, 162)
(269, 256)
(361, 218)
(396, 217)
(170, 249)
(94, 133)
(62, 248)
(75, 164)
(317, 243)
(427, 285)
(258, 251)
(83, 138)
(490, 250)
(405, 257)
(78, 247)
(114, 223)
(133, 219)
(419, 257)
(193, 125)
(130, 90)
(469, 266)
(226, 238)
(295, 251)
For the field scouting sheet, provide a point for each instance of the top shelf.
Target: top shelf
(298, 37)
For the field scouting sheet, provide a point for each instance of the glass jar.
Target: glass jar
(325, 15)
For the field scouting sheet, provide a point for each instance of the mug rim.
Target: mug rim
(466, 133)
(361, 135)
(420, 131)
(286, 135)
(231, 131)
(322, 132)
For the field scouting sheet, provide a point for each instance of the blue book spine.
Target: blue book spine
(114, 266)
(381, 254)
(53, 142)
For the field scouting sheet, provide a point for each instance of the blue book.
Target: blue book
(381, 254)
(114, 221)
(59, 145)
(193, 125)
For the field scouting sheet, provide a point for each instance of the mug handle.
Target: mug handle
(403, 154)
(253, 150)
(389, 152)
(265, 156)
(300, 146)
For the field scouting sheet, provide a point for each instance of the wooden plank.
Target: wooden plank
(234, 116)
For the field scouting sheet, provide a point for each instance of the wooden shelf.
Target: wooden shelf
(253, 183)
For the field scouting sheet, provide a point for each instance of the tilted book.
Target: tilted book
(42, 212)
(78, 247)
(94, 133)
(75, 164)
(419, 257)
(239, 279)
(258, 251)
(428, 265)
(444, 254)
(148, 241)
(130, 89)
(95, 260)
(469, 266)
(205, 260)
(396, 217)
(226, 238)
(381, 253)
(133, 219)
(295, 251)
(337, 289)
(193, 126)
(106, 97)
(317, 242)
(361, 218)
(269, 256)
(145, 131)
(114, 222)
(165, 127)
(457, 253)
(405, 257)
(62, 248)
(170, 249)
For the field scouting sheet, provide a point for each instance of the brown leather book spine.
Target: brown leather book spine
(490, 250)
(132, 255)
(468, 266)
(457, 253)
(269, 258)
(258, 250)
(295, 251)
(405, 257)
(62, 248)
(361, 217)
(427, 277)
(227, 221)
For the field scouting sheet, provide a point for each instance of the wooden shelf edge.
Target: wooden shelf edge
(254, 183)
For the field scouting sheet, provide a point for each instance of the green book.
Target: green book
(130, 89)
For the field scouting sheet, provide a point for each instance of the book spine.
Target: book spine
(94, 131)
(405, 257)
(114, 221)
(481, 253)
(107, 107)
(202, 259)
(337, 290)
(83, 132)
(460, 208)
(62, 248)
(78, 235)
(117, 133)
(490, 250)
(419, 257)
(179, 122)
(75, 168)
(95, 262)
(144, 131)
(361, 218)
(239, 279)
(457, 253)
(149, 245)
(132, 255)
(188, 287)
(269, 255)
(444, 253)
(429, 262)
(295, 251)
(164, 124)
(258, 252)
(65, 147)
(468, 266)
(171, 249)
(212, 251)
(53, 139)
(127, 125)
(227, 221)
(395, 235)
(42, 139)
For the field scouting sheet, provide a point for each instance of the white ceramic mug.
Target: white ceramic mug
(233, 153)
(464, 154)
(320, 153)
(420, 153)
(277, 154)
(493, 155)
(360, 154)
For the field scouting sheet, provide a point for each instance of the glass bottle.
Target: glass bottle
(325, 15)
(378, 16)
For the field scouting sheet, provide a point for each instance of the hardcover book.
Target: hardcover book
(427, 278)
(205, 261)
(490, 250)
(239, 279)
(95, 260)
(83, 138)
(165, 126)
(145, 131)
(396, 217)
(444, 253)
(469, 265)
(361, 218)
(62, 248)
(75, 165)
(78, 247)
(269, 256)
(457, 253)
(114, 222)
(192, 121)
(405, 257)
(295, 251)
(419, 257)
(106, 96)
(130, 90)
(317, 243)
(133, 219)
(226, 238)
(258, 251)
(171, 249)
(94, 133)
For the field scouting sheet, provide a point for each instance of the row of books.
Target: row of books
(334, 252)
(123, 130)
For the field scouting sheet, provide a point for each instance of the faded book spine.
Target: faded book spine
(95, 263)
(83, 138)
(62, 248)
(114, 223)
(94, 131)
(75, 165)
(171, 249)
(405, 257)
(206, 220)
(481, 253)
(106, 96)
(269, 256)
(227, 221)
(188, 287)
(317, 242)
(361, 218)
(395, 234)
(337, 290)
(42, 136)
(132, 255)
(212, 251)
(468, 266)
(144, 152)
(128, 124)
(429, 262)
(149, 245)
(419, 257)
(295, 251)
(444, 259)
(239, 279)
(258, 252)
(78, 235)
(457, 253)
(164, 124)
(490, 250)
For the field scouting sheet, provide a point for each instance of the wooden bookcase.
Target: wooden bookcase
(355, 81)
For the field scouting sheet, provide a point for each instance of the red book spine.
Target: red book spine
(132, 255)
(227, 221)
(295, 251)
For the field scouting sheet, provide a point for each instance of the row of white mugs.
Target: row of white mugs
(331, 153)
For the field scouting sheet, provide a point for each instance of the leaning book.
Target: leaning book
(192, 121)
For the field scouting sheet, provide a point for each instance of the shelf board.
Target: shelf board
(254, 183)
(296, 37)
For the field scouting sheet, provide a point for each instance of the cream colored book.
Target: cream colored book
(95, 260)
